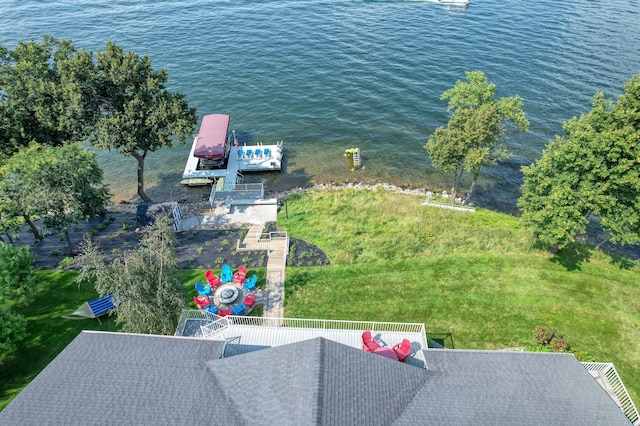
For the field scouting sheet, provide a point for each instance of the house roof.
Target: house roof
(116, 378)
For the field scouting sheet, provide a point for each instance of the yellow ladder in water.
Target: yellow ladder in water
(356, 157)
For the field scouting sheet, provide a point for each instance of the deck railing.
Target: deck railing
(622, 398)
(192, 314)
(240, 191)
(267, 241)
(216, 326)
(218, 323)
(249, 190)
(177, 216)
(332, 325)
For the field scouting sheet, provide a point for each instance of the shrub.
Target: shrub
(559, 344)
(541, 335)
(67, 261)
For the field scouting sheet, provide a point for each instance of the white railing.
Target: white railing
(333, 325)
(186, 315)
(620, 394)
(249, 190)
(275, 236)
(216, 326)
(240, 191)
(177, 216)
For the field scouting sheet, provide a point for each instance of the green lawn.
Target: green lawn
(475, 275)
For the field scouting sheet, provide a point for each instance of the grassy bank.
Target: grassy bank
(475, 275)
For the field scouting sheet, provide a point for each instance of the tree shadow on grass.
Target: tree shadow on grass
(620, 261)
(573, 256)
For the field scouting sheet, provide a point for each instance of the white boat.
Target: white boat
(453, 2)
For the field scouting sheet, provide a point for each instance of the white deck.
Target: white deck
(236, 163)
(254, 333)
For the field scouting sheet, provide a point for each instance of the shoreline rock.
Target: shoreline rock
(198, 208)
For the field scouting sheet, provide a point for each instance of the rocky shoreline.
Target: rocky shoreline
(191, 208)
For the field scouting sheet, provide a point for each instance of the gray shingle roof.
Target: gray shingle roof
(114, 378)
(318, 381)
(493, 387)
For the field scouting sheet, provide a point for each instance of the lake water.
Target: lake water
(328, 75)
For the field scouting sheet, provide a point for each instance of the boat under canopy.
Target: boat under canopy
(211, 141)
(211, 157)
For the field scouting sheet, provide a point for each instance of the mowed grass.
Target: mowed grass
(475, 275)
(360, 226)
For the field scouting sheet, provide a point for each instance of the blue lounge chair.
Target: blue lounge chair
(203, 289)
(212, 308)
(226, 275)
(250, 282)
(239, 310)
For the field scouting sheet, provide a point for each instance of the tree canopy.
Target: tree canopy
(13, 329)
(475, 133)
(51, 93)
(144, 281)
(17, 279)
(47, 94)
(139, 115)
(57, 184)
(17, 282)
(594, 170)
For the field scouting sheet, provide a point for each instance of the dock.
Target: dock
(241, 159)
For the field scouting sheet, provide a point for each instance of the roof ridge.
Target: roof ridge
(409, 400)
(318, 383)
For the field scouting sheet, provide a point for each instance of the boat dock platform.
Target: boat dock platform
(243, 158)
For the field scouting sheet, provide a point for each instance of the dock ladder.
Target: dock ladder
(356, 157)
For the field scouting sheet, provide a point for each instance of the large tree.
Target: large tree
(474, 136)
(139, 115)
(60, 185)
(144, 282)
(594, 170)
(47, 94)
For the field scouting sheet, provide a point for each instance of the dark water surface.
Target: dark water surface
(328, 75)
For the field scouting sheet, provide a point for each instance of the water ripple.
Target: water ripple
(326, 75)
